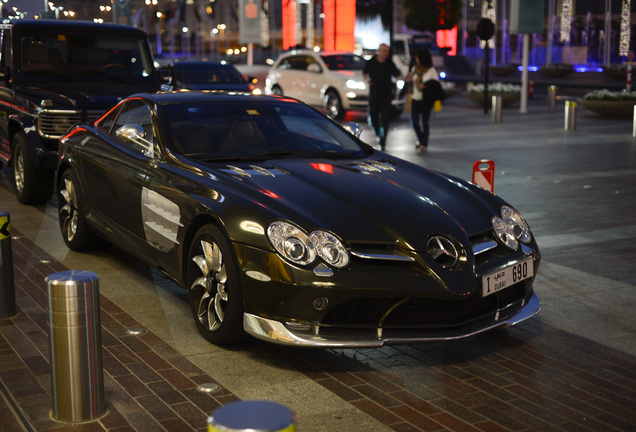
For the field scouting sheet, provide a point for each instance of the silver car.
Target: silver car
(331, 80)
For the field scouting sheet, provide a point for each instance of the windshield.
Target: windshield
(344, 62)
(69, 54)
(205, 73)
(254, 130)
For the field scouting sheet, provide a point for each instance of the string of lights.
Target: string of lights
(566, 20)
(625, 34)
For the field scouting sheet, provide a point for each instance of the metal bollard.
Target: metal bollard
(497, 108)
(7, 287)
(634, 124)
(570, 116)
(552, 96)
(77, 379)
(252, 416)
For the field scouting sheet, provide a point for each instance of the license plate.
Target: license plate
(501, 279)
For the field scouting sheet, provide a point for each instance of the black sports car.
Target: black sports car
(283, 225)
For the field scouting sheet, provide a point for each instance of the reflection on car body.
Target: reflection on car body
(281, 224)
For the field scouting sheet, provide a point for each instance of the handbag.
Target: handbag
(433, 91)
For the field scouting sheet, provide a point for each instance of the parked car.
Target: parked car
(283, 225)
(207, 75)
(331, 80)
(54, 73)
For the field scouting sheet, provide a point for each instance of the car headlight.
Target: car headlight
(330, 249)
(511, 228)
(298, 247)
(355, 84)
(291, 242)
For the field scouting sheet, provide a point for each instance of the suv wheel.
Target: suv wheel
(32, 186)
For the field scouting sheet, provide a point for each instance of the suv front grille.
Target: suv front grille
(53, 124)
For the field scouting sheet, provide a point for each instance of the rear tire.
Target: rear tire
(71, 214)
(32, 185)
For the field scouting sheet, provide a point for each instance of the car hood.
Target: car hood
(379, 201)
(73, 95)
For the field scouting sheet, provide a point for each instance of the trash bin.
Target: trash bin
(252, 416)
(497, 108)
(552, 96)
(570, 116)
(77, 380)
(7, 286)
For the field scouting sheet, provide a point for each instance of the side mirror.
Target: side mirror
(314, 67)
(353, 128)
(135, 134)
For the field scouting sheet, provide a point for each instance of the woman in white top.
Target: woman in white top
(421, 107)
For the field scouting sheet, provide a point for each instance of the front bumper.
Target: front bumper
(287, 334)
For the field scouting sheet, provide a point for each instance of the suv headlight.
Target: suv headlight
(298, 247)
(511, 228)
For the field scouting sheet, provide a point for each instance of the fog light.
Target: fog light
(320, 303)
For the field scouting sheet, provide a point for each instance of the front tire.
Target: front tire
(276, 90)
(77, 235)
(32, 185)
(214, 293)
(333, 105)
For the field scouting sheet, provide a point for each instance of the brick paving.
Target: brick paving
(148, 385)
(530, 377)
(526, 378)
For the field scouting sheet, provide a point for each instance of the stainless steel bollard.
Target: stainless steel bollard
(77, 380)
(497, 108)
(7, 286)
(552, 96)
(570, 116)
(252, 416)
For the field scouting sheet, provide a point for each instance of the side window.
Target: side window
(135, 112)
(6, 52)
(298, 63)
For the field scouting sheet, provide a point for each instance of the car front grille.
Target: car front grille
(53, 124)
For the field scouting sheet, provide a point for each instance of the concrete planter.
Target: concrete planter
(478, 98)
(608, 108)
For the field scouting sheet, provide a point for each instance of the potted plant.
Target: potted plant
(556, 70)
(610, 103)
(510, 93)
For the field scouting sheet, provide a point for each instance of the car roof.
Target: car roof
(166, 98)
(72, 25)
(319, 53)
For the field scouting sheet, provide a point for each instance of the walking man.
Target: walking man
(378, 72)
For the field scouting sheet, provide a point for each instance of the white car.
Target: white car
(331, 80)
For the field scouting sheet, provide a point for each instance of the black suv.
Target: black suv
(54, 74)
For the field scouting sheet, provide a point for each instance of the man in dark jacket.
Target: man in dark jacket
(378, 72)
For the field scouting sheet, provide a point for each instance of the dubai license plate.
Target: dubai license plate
(501, 279)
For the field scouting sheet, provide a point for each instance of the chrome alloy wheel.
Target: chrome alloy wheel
(18, 169)
(213, 280)
(68, 211)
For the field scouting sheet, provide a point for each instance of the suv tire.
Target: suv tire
(32, 186)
